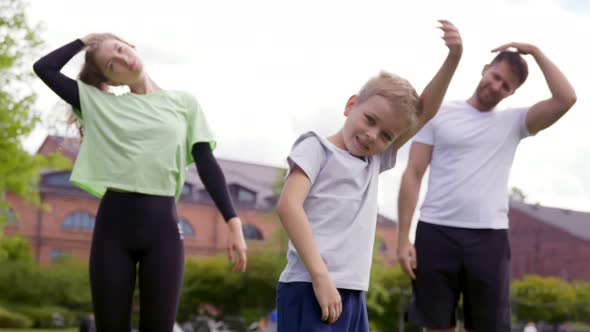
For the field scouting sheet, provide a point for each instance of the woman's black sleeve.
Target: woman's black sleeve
(213, 179)
(48, 69)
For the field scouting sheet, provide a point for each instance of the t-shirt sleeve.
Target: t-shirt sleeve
(198, 129)
(309, 155)
(92, 101)
(426, 134)
(85, 93)
(523, 131)
(388, 159)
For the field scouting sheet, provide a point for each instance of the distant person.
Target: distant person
(565, 328)
(530, 327)
(87, 324)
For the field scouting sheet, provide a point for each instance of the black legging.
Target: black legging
(136, 230)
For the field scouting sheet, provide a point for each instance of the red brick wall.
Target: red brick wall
(388, 234)
(25, 213)
(208, 225)
(45, 231)
(539, 248)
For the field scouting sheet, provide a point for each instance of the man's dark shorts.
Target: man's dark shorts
(454, 261)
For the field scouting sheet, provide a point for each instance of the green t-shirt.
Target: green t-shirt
(137, 143)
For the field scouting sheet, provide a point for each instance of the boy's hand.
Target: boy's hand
(406, 252)
(236, 242)
(451, 37)
(521, 48)
(328, 298)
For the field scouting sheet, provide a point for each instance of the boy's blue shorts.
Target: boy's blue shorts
(298, 310)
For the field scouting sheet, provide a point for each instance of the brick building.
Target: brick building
(549, 241)
(544, 241)
(66, 229)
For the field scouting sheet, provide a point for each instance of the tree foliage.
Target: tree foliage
(19, 170)
(539, 298)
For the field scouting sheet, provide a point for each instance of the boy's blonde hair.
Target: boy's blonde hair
(398, 92)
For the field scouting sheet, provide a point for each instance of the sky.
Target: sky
(266, 71)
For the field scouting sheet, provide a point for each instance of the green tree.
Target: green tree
(208, 280)
(15, 249)
(517, 194)
(388, 295)
(538, 298)
(19, 171)
(66, 283)
(582, 312)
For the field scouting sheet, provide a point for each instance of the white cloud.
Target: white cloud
(266, 71)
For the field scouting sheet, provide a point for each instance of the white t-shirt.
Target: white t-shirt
(472, 155)
(341, 208)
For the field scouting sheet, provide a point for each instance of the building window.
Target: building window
(203, 196)
(272, 200)
(79, 221)
(58, 254)
(242, 195)
(10, 216)
(252, 232)
(186, 190)
(382, 246)
(60, 179)
(246, 196)
(186, 228)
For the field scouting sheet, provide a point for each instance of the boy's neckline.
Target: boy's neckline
(343, 150)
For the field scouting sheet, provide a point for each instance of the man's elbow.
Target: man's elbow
(571, 100)
(568, 100)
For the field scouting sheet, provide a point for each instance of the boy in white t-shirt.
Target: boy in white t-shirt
(329, 202)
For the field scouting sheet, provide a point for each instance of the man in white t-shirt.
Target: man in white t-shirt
(461, 245)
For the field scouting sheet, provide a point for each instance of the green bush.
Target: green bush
(12, 319)
(539, 298)
(582, 305)
(43, 317)
(63, 284)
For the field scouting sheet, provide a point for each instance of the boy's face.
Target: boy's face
(371, 126)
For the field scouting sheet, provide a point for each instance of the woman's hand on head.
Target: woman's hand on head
(93, 39)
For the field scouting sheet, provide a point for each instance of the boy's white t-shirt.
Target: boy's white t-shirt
(472, 153)
(341, 208)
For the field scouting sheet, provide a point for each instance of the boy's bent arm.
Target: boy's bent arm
(420, 156)
(433, 94)
(295, 222)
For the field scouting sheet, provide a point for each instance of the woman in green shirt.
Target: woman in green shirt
(134, 156)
